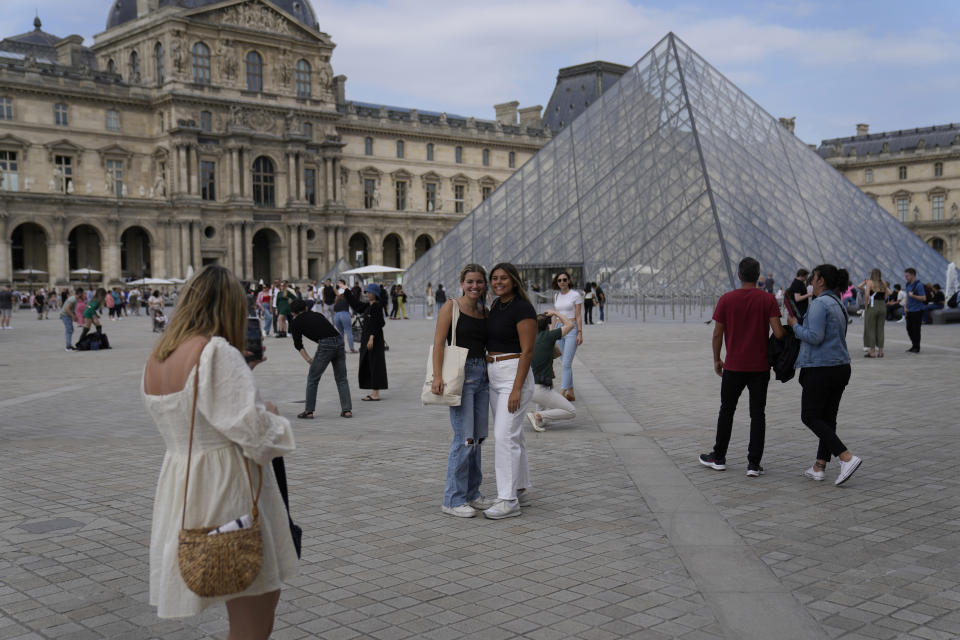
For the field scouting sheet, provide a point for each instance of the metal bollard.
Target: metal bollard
(644, 306)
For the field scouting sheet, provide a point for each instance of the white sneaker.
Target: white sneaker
(503, 509)
(813, 474)
(482, 504)
(463, 511)
(523, 498)
(537, 424)
(847, 469)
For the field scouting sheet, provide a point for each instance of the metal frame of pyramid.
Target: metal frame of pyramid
(665, 183)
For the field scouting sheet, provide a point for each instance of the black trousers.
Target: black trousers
(914, 322)
(733, 384)
(822, 389)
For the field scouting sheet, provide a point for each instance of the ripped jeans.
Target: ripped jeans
(469, 422)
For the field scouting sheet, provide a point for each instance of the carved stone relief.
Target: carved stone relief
(253, 15)
(228, 60)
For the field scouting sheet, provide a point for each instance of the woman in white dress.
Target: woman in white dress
(204, 341)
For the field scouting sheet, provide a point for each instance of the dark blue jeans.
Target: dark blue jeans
(328, 350)
(734, 382)
(469, 422)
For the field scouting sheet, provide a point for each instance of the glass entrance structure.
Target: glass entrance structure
(666, 182)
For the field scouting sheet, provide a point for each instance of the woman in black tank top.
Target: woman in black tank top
(461, 496)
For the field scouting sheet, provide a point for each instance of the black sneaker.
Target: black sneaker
(754, 470)
(710, 460)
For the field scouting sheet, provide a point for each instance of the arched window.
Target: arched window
(158, 69)
(938, 245)
(254, 72)
(430, 151)
(400, 148)
(134, 67)
(201, 63)
(368, 146)
(303, 79)
(111, 66)
(263, 182)
(512, 160)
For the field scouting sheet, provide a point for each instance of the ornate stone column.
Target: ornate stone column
(375, 252)
(194, 170)
(291, 178)
(158, 252)
(331, 251)
(293, 247)
(304, 256)
(342, 247)
(6, 265)
(246, 178)
(172, 255)
(197, 257)
(327, 179)
(182, 162)
(184, 248)
(335, 184)
(59, 265)
(247, 252)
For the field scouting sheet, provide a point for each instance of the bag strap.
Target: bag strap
(193, 416)
(453, 323)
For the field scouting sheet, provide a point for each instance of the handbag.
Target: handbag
(454, 361)
(296, 532)
(224, 563)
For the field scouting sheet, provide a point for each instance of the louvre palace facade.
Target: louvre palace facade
(914, 174)
(201, 131)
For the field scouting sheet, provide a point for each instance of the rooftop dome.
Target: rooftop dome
(124, 11)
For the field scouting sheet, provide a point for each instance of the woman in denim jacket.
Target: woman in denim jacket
(824, 364)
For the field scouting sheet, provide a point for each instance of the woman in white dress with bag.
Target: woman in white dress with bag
(220, 439)
(461, 496)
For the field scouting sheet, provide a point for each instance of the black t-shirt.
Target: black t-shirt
(471, 334)
(329, 295)
(311, 325)
(6, 299)
(798, 287)
(502, 336)
(939, 297)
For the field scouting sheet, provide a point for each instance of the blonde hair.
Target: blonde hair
(212, 303)
(879, 286)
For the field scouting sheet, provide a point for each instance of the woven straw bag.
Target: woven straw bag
(224, 563)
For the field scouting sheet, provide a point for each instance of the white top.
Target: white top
(231, 423)
(565, 303)
(902, 297)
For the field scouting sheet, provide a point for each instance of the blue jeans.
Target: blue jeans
(267, 321)
(469, 422)
(601, 311)
(568, 345)
(341, 320)
(328, 350)
(68, 330)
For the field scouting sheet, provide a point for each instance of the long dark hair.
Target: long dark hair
(514, 274)
(555, 285)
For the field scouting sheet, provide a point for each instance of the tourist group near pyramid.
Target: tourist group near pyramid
(667, 181)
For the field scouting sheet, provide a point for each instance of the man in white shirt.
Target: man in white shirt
(902, 301)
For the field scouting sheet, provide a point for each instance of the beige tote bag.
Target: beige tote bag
(454, 361)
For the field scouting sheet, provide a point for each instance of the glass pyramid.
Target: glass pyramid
(665, 183)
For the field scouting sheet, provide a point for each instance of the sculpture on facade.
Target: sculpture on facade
(285, 66)
(254, 16)
(159, 189)
(228, 61)
(176, 52)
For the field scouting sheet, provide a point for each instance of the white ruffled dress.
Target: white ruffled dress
(231, 423)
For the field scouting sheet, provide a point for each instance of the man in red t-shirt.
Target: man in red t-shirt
(743, 319)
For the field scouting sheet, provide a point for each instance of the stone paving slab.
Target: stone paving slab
(595, 557)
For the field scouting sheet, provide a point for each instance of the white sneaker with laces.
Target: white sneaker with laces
(482, 504)
(537, 424)
(463, 511)
(847, 468)
(503, 509)
(813, 474)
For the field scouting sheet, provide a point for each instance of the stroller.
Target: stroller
(159, 322)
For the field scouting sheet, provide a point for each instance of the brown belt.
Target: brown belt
(511, 356)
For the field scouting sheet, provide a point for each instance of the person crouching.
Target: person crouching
(317, 328)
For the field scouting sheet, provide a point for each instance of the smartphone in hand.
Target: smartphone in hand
(254, 342)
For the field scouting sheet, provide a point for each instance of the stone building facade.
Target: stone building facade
(914, 174)
(219, 134)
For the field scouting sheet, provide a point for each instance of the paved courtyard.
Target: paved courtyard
(628, 537)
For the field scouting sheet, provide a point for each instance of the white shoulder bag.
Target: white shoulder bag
(454, 361)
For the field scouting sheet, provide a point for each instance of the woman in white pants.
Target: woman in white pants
(550, 405)
(569, 302)
(511, 330)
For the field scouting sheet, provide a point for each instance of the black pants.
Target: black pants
(588, 313)
(822, 389)
(732, 386)
(914, 322)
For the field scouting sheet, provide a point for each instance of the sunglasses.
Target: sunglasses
(562, 280)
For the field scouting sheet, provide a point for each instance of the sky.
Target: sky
(889, 64)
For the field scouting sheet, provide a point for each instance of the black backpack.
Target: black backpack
(952, 302)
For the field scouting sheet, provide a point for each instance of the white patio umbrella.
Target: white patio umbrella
(176, 280)
(372, 269)
(87, 271)
(30, 271)
(142, 282)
